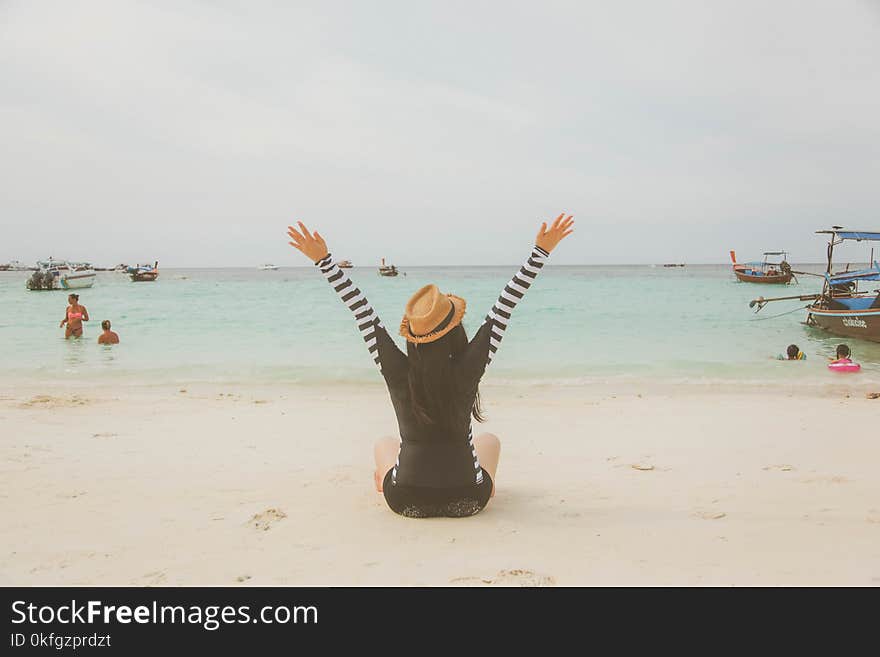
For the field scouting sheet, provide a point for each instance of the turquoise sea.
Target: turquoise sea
(577, 325)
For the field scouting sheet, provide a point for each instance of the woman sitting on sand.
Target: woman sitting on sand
(437, 467)
(74, 317)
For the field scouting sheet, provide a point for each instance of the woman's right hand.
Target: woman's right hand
(561, 228)
(313, 246)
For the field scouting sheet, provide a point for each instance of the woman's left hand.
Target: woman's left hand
(313, 246)
(561, 228)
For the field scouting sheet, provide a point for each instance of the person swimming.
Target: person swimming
(74, 317)
(842, 355)
(792, 352)
(108, 336)
(843, 363)
(436, 467)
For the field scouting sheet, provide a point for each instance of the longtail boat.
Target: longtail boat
(841, 308)
(144, 273)
(776, 271)
(387, 270)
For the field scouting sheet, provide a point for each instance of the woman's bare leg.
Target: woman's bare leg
(385, 453)
(488, 448)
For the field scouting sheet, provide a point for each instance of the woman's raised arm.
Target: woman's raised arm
(313, 246)
(546, 240)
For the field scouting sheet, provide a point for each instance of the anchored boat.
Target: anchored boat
(15, 265)
(144, 273)
(773, 269)
(61, 275)
(387, 270)
(841, 308)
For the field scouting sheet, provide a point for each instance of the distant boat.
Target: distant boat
(61, 275)
(144, 273)
(672, 264)
(773, 269)
(387, 270)
(15, 265)
(268, 267)
(345, 264)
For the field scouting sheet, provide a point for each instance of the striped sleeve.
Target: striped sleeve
(511, 295)
(368, 321)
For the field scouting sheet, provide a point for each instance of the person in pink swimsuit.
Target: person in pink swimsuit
(74, 317)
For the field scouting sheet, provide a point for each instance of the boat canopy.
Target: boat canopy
(766, 253)
(858, 235)
(760, 263)
(872, 274)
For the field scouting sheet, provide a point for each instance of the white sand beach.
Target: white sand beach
(247, 485)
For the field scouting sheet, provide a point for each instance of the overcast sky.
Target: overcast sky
(435, 133)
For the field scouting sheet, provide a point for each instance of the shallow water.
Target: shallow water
(576, 325)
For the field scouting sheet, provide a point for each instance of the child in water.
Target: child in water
(793, 352)
(108, 336)
(842, 354)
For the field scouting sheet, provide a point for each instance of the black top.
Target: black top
(441, 454)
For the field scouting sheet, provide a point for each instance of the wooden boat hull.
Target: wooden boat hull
(863, 324)
(144, 276)
(779, 279)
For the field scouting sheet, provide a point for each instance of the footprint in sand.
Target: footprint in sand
(47, 401)
(104, 435)
(242, 578)
(710, 515)
(836, 479)
(154, 578)
(264, 521)
(514, 577)
(72, 495)
(783, 467)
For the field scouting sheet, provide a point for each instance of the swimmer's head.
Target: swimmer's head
(792, 351)
(105, 325)
(842, 351)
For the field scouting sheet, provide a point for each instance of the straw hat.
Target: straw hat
(430, 315)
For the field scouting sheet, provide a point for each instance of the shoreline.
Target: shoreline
(272, 485)
(836, 385)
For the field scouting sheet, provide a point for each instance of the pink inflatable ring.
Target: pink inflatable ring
(844, 365)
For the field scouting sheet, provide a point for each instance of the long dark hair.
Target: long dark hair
(433, 388)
